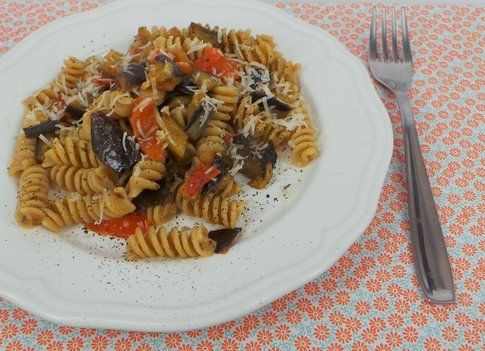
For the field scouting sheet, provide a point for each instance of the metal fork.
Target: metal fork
(395, 72)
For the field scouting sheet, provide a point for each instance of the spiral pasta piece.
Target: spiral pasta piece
(244, 46)
(160, 214)
(219, 129)
(244, 108)
(32, 196)
(212, 208)
(166, 43)
(210, 146)
(303, 141)
(260, 126)
(87, 209)
(71, 74)
(304, 147)
(46, 96)
(185, 242)
(122, 108)
(228, 187)
(145, 176)
(282, 69)
(142, 44)
(228, 95)
(178, 115)
(84, 181)
(111, 62)
(194, 47)
(24, 155)
(76, 153)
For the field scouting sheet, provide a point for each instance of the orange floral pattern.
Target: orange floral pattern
(370, 299)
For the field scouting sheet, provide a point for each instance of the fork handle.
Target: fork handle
(430, 256)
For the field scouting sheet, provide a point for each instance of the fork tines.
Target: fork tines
(405, 55)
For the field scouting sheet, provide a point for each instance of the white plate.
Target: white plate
(80, 279)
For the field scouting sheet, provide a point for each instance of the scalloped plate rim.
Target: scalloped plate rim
(32, 303)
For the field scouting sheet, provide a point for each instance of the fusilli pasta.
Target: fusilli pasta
(84, 181)
(32, 196)
(132, 139)
(144, 177)
(88, 209)
(212, 208)
(76, 153)
(184, 242)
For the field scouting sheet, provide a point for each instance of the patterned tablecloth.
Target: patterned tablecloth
(370, 299)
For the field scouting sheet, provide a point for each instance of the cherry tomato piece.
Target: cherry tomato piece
(214, 61)
(121, 227)
(198, 177)
(145, 126)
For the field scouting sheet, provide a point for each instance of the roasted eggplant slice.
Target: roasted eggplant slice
(74, 113)
(131, 77)
(242, 144)
(272, 101)
(199, 120)
(262, 180)
(186, 86)
(41, 128)
(259, 165)
(206, 35)
(149, 198)
(116, 152)
(224, 238)
(39, 150)
(176, 69)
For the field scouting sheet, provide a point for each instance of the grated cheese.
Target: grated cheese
(219, 35)
(249, 125)
(210, 169)
(197, 47)
(123, 142)
(238, 49)
(291, 122)
(141, 106)
(153, 83)
(238, 159)
(125, 61)
(45, 140)
(136, 171)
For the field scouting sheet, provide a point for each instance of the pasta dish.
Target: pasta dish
(124, 142)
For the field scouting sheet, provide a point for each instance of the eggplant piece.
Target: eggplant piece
(73, 113)
(176, 69)
(39, 150)
(149, 198)
(41, 128)
(213, 184)
(258, 76)
(186, 86)
(116, 152)
(224, 238)
(262, 180)
(206, 35)
(268, 156)
(272, 101)
(259, 166)
(199, 120)
(133, 76)
(242, 144)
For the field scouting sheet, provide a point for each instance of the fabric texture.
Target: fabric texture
(370, 299)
